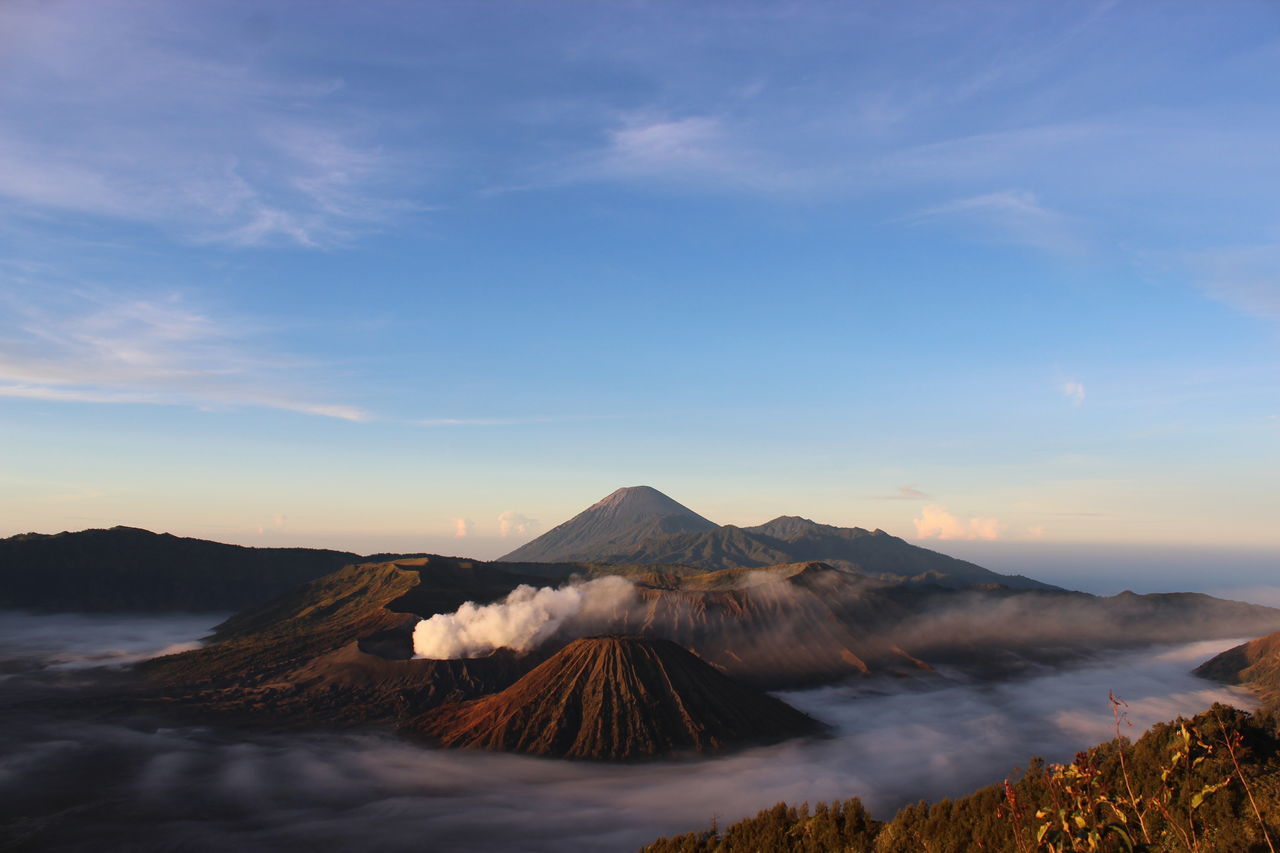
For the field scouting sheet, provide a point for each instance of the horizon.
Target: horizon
(1244, 574)
(1000, 280)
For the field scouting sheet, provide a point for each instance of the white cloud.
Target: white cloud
(1073, 391)
(935, 522)
(158, 349)
(461, 527)
(513, 523)
(1013, 215)
(660, 146)
(278, 522)
(694, 150)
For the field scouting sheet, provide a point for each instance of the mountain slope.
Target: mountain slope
(630, 514)
(871, 553)
(336, 650)
(616, 698)
(877, 553)
(640, 525)
(1255, 664)
(128, 569)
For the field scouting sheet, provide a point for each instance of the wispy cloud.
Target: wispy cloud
(698, 150)
(935, 522)
(97, 348)
(1247, 279)
(1015, 216)
(461, 527)
(1073, 390)
(905, 493)
(215, 147)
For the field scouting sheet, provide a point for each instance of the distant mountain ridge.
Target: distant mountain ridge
(640, 525)
(130, 569)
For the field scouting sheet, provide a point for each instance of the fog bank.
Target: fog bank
(75, 784)
(83, 639)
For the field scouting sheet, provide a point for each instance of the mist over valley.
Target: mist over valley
(418, 697)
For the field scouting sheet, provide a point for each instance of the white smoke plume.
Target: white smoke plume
(522, 621)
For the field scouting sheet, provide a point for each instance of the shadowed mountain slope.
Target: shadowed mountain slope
(1255, 664)
(877, 553)
(337, 649)
(616, 698)
(784, 626)
(629, 515)
(128, 569)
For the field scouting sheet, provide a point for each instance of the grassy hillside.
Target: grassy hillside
(1211, 783)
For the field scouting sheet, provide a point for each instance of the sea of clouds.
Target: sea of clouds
(72, 781)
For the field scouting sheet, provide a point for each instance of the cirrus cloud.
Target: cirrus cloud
(92, 347)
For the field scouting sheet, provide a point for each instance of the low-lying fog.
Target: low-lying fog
(78, 782)
(86, 639)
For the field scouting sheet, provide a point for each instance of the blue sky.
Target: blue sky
(371, 276)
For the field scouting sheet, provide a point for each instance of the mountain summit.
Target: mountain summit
(628, 516)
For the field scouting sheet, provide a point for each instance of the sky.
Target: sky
(1000, 278)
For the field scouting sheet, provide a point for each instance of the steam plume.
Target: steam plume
(521, 621)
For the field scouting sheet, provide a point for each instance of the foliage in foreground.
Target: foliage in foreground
(1211, 783)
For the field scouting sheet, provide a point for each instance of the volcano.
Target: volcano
(640, 525)
(623, 519)
(613, 698)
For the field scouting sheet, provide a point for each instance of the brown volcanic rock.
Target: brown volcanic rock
(337, 650)
(616, 698)
(787, 626)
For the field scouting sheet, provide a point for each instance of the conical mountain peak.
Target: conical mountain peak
(616, 698)
(626, 516)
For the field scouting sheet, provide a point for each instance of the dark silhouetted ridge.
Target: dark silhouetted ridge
(129, 569)
(616, 698)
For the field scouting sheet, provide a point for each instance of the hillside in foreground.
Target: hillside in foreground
(1210, 784)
